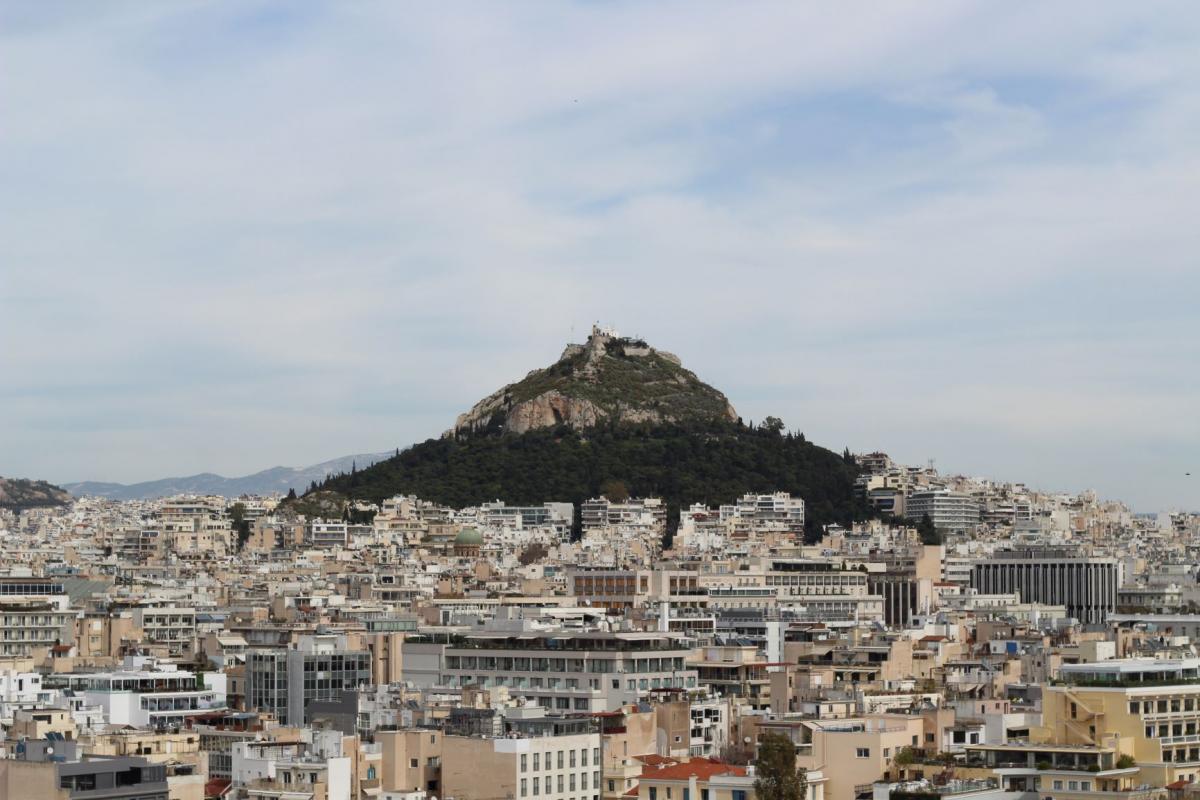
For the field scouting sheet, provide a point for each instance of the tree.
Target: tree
(928, 531)
(616, 491)
(773, 425)
(776, 776)
(533, 552)
(241, 525)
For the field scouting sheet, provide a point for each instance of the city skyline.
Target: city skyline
(242, 236)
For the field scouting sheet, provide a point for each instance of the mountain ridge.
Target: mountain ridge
(267, 481)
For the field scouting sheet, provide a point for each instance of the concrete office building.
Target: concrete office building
(1087, 587)
(321, 667)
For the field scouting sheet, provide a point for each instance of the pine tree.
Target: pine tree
(776, 776)
(928, 531)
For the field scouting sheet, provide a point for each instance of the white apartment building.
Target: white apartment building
(562, 670)
(146, 698)
(34, 613)
(648, 512)
(284, 770)
(949, 511)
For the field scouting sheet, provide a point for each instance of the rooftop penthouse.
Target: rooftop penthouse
(620, 641)
(1132, 672)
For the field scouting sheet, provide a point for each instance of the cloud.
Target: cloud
(258, 233)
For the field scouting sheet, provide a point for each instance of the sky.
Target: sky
(241, 234)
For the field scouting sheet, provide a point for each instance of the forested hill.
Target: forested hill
(17, 494)
(710, 464)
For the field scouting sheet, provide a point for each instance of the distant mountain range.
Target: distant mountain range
(269, 481)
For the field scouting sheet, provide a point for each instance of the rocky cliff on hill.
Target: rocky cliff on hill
(609, 379)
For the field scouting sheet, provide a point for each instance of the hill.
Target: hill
(609, 379)
(17, 494)
(711, 463)
(268, 481)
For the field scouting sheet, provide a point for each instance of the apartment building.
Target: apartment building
(818, 590)
(563, 670)
(53, 769)
(762, 511)
(647, 512)
(848, 752)
(319, 766)
(1146, 708)
(555, 515)
(35, 613)
(150, 698)
(695, 777)
(949, 511)
(173, 627)
(548, 767)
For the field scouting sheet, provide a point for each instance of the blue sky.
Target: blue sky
(243, 234)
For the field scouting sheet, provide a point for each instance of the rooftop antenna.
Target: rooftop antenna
(931, 463)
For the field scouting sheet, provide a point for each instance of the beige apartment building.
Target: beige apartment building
(1145, 708)
(849, 752)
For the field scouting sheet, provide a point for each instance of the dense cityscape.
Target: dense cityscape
(972, 639)
(578, 400)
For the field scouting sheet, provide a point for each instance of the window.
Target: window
(560, 759)
(1072, 786)
(536, 784)
(654, 793)
(413, 763)
(560, 784)
(582, 757)
(1085, 786)
(524, 764)
(370, 773)
(1058, 785)
(537, 761)
(738, 794)
(524, 787)
(863, 752)
(571, 759)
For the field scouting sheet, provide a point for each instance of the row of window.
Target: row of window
(567, 684)
(595, 665)
(565, 758)
(567, 785)
(1073, 786)
(1176, 729)
(736, 794)
(1163, 706)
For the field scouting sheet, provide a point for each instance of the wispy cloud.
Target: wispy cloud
(243, 234)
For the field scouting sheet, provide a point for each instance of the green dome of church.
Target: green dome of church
(469, 536)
